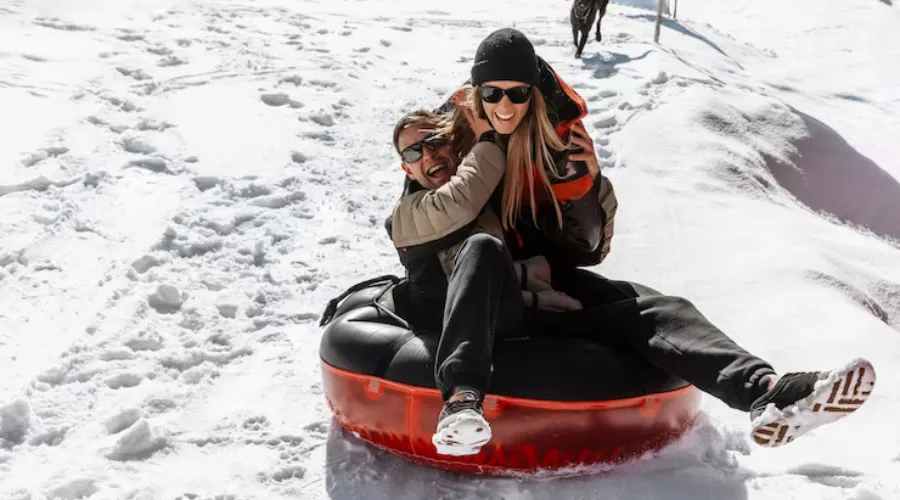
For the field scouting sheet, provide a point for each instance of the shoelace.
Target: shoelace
(469, 402)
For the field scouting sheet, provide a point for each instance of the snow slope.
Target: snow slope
(184, 185)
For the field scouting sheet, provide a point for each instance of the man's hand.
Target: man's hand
(537, 273)
(551, 300)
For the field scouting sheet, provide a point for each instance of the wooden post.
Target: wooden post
(659, 9)
(675, 12)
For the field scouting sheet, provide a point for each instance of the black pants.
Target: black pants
(484, 301)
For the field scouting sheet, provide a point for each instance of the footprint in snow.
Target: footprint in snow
(138, 442)
(117, 354)
(122, 420)
(286, 473)
(319, 136)
(325, 84)
(136, 144)
(340, 105)
(318, 429)
(40, 183)
(323, 119)
(51, 437)
(160, 50)
(297, 80)
(123, 380)
(136, 74)
(83, 487)
(123, 105)
(145, 124)
(606, 122)
(145, 341)
(258, 423)
(40, 155)
(277, 99)
(169, 61)
(15, 421)
(128, 35)
(661, 78)
(154, 164)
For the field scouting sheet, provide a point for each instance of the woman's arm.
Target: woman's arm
(588, 224)
(587, 220)
(429, 216)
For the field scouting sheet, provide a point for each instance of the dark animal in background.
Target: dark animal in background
(582, 18)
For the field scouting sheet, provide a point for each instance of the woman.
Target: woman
(551, 204)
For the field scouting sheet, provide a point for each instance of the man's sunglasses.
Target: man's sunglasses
(493, 95)
(413, 152)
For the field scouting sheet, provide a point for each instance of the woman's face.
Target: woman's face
(505, 103)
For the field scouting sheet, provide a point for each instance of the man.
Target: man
(445, 208)
(460, 269)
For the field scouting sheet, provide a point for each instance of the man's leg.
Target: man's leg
(483, 296)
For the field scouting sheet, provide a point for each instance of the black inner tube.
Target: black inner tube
(367, 337)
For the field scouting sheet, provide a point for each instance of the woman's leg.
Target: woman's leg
(672, 334)
(668, 331)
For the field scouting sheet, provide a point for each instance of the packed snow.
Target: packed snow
(184, 185)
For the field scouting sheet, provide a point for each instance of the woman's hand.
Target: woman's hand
(551, 300)
(581, 139)
(477, 124)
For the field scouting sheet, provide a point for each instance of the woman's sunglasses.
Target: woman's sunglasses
(413, 152)
(493, 95)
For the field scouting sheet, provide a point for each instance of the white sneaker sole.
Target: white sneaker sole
(841, 393)
(462, 434)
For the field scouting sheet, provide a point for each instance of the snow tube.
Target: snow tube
(554, 403)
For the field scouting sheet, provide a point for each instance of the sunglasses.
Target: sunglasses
(493, 95)
(413, 152)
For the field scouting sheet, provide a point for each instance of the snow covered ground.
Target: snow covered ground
(184, 185)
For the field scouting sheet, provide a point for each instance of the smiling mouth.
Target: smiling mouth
(437, 169)
(504, 117)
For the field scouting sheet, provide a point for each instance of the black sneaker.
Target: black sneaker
(462, 429)
(801, 402)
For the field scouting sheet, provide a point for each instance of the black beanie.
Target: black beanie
(506, 54)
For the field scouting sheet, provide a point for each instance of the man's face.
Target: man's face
(433, 162)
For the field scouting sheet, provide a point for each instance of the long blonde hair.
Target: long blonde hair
(528, 151)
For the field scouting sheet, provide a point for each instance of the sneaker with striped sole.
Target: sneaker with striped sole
(800, 402)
